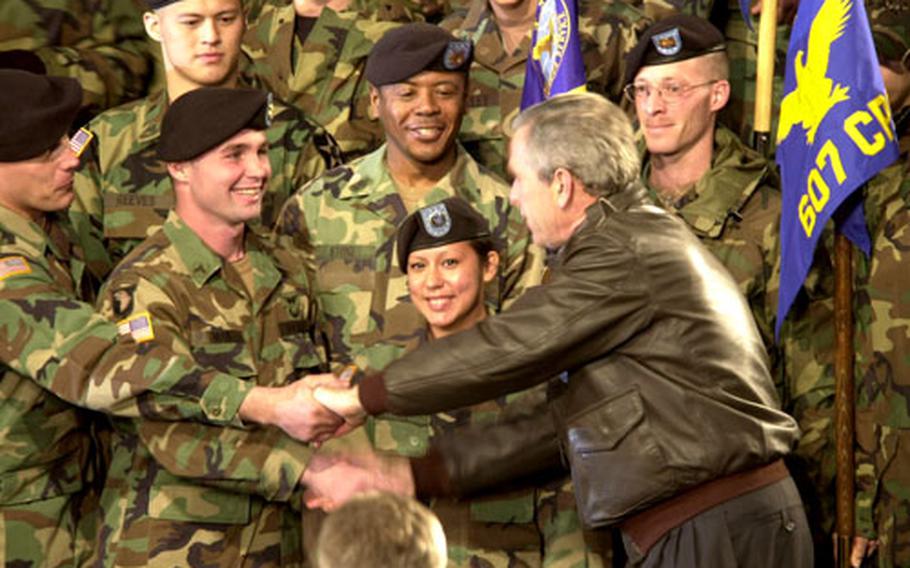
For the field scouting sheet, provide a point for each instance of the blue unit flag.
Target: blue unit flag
(834, 133)
(554, 64)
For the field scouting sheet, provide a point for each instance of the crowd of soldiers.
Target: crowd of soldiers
(203, 201)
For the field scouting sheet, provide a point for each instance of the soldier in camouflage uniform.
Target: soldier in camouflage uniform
(319, 69)
(881, 315)
(742, 49)
(123, 192)
(347, 218)
(608, 31)
(726, 193)
(45, 445)
(208, 286)
(100, 43)
(524, 527)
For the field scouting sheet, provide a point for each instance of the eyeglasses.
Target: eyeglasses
(670, 93)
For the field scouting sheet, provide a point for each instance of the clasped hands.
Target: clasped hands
(312, 409)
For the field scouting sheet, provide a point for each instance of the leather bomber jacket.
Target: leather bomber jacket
(666, 381)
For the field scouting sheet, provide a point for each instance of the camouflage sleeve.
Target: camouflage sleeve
(883, 373)
(262, 461)
(292, 233)
(310, 150)
(611, 30)
(86, 212)
(113, 63)
(67, 347)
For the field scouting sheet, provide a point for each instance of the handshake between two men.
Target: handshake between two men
(316, 409)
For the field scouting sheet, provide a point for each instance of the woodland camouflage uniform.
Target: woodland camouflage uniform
(323, 74)
(186, 493)
(608, 32)
(101, 43)
(734, 210)
(881, 324)
(123, 192)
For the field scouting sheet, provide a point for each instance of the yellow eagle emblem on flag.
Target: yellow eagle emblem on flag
(815, 94)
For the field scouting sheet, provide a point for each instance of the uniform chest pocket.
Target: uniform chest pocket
(188, 503)
(224, 350)
(345, 281)
(297, 339)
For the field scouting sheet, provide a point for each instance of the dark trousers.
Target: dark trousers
(766, 528)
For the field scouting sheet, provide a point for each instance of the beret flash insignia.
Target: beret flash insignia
(668, 43)
(456, 53)
(436, 220)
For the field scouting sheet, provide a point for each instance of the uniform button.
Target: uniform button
(790, 526)
(415, 441)
(216, 411)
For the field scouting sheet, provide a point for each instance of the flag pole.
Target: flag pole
(843, 395)
(764, 80)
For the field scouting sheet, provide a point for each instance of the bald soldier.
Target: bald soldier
(123, 191)
(208, 286)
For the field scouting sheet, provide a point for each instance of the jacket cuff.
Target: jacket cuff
(221, 400)
(372, 394)
(431, 479)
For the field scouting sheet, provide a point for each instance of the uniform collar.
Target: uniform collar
(735, 174)
(371, 177)
(27, 232)
(150, 125)
(202, 263)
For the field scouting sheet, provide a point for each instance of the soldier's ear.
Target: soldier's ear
(152, 25)
(720, 94)
(374, 102)
(178, 171)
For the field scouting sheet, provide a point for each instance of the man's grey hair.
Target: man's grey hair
(585, 134)
(379, 530)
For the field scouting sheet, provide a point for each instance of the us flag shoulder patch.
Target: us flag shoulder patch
(79, 141)
(139, 327)
(14, 266)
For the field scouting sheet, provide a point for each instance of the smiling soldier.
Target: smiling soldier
(206, 285)
(349, 215)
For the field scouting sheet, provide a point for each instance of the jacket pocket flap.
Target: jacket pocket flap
(198, 504)
(603, 426)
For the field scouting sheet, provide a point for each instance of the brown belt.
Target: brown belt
(647, 527)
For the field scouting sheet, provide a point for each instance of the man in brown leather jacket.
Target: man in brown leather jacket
(664, 407)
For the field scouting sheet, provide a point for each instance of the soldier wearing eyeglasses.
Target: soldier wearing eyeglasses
(677, 77)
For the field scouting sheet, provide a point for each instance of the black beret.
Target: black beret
(158, 4)
(673, 39)
(411, 49)
(204, 118)
(23, 60)
(451, 220)
(35, 112)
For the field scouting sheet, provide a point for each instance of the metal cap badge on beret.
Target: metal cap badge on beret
(673, 39)
(414, 48)
(204, 118)
(35, 112)
(451, 220)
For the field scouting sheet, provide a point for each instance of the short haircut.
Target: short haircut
(378, 530)
(585, 134)
(719, 65)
